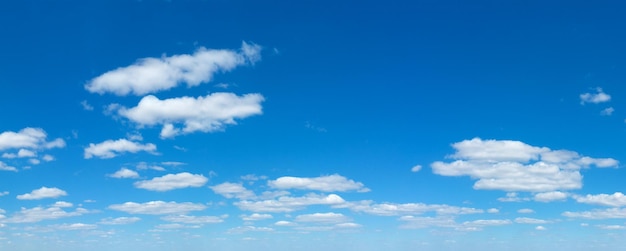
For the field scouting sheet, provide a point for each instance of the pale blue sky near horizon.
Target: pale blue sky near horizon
(308, 125)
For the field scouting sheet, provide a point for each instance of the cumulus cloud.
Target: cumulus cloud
(611, 200)
(172, 181)
(239, 230)
(189, 219)
(125, 173)
(286, 204)
(111, 148)
(76, 226)
(28, 138)
(157, 207)
(413, 222)
(611, 213)
(232, 190)
(493, 210)
(256, 216)
(516, 166)
(150, 75)
(607, 111)
(392, 209)
(119, 220)
(598, 97)
(183, 115)
(42, 193)
(525, 211)
(37, 214)
(416, 168)
(330, 183)
(5, 167)
(550, 196)
(322, 218)
(525, 220)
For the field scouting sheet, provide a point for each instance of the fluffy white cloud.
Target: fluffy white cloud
(541, 228)
(125, 173)
(31, 138)
(119, 220)
(611, 213)
(611, 227)
(62, 204)
(36, 214)
(157, 207)
(172, 181)
(149, 75)
(392, 209)
(416, 168)
(185, 115)
(493, 210)
(239, 230)
(506, 165)
(322, 218)
(330, 183)
(283, 223)
(232, 190)
(42, 193)
(188, 219)
(525, 211)
(550, 196)
(255, 217)
(285, 204)
(111, 148)
(76, 226)
(607, 111)
(525, 220)
(5, 167)
(598, 97)
(612, 200)
(412, 222)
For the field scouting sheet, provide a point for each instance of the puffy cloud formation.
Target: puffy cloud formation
(330, 183)
(119, 220)
(172, 181)
(205, 114)
(31, 138)
(595, 98)
(233, 190)
(42, 193)
(125, 173)
(157, 207)
(111, 148)
(150, 75)
(515, 166)
(37, 214)
(284, 204)
(611, 200)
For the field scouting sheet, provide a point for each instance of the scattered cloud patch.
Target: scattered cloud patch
(172, 181)
(28, 138)
(611, 200)
(86, 106)
(112, 148)
(256, 217)
(184, 115)
(125, 173)
(525, 211)
(285, 204)
(37, 214)
(550, 196)
(5, 167)
(416, 168)
(330, 183)
(607, 111)
(119, 220)
(157, 207)
(598, 97)
(233, 190)
(150, 75)
(42, 193)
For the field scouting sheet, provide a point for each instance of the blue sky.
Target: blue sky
(308, 125)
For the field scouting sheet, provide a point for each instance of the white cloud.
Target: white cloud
(111, 148)
(252, 177)
(493, 210)
(540, 228)
(188, 219)
(125, 173)
(146, 166)
(322, 218)
(4, 193)
(607, 112)
(157, 207)
(232, 190)
(612, 200)
(76, 226)
(330, 183)
(62, 204)
(172, 181)
(506, 165)
(525, 211)
(611, 213)
(525, 220)
(550, 196)
(413, 222)
(86, 106)
(255, 217)
(119, 220)
(5, 167)
(31, 138)
(42, 193)
(283, 223)
(244, 229)
(285, 204)
(34, 161)
(150, 75)
(36, 214)
(416, 168)
(48, 157)
(598, 97)
(185, 115)
(392, 209)
(611, 227)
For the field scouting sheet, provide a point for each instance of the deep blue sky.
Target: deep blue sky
(354, 95)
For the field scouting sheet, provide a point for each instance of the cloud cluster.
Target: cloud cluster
(42, 193)
(157, 207)
(112, 148)
(172, 181)
(516, 166)
(150, 75)
(330, 183)
(598, 97)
